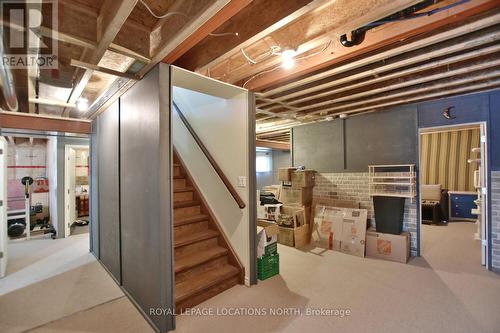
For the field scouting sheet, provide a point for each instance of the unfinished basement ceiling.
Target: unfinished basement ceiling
(411, 51)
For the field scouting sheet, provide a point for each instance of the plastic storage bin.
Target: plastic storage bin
(389, 214)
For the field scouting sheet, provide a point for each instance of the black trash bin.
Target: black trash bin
(389, 214)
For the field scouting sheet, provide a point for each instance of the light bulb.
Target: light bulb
(82, 104)
(287, 58)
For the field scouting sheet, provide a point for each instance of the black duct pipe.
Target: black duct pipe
(358, 35)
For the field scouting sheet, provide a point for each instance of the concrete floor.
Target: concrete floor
(447, 290)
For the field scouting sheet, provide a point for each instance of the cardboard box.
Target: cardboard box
(298, 214)
(295, 237)
(271, 212)
(296, 196)
(341, 229)
(267, 237)
(354, 222)
(335, 203)
(285, 174)
(388, 246)
(303, 178)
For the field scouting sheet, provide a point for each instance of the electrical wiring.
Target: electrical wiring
(186, 16)
(261, 73)
(168, 14)
(250, 60)
(275, 68)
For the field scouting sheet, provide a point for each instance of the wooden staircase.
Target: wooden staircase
(204, 262)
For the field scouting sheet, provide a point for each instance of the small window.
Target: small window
(264, 161)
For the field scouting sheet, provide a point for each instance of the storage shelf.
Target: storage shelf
(398, 195)
(391, 183)
(383, 180)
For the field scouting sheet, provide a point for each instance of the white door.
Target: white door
(484, 197)
(69, 190)
(3, 207)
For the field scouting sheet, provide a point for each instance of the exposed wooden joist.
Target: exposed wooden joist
(375, 39)
(230, 10)
(383, 88)
(84, 65)
(25, 121)
(481, 86)
(489, 75)
(441, 37)
(216, 12)
(51, 102)
(258, 16)
(326, 24)
(281, 23)
(272, 144)
(373, 76)
(111, 18)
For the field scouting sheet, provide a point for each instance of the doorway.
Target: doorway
(453, 195)
(76, 190)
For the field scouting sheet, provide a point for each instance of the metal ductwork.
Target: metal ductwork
(7, 84)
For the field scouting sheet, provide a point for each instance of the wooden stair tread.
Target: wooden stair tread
(187, 203)
(184, 189)
(190, 219)
(201, 282)
(176, 164)
(179, 177)
(185, 262)
(195, 237)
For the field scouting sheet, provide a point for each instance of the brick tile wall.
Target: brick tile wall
(354, 186)
(495, 220)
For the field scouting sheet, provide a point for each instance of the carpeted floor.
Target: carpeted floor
(445, 291)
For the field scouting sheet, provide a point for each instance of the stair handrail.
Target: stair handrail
(210, 158)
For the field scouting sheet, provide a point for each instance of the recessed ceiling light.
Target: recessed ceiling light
(82, 104)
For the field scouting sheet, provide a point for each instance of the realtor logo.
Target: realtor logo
(28, 30)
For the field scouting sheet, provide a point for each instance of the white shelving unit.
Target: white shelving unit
(396, 180)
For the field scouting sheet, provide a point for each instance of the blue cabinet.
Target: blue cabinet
(461, 204)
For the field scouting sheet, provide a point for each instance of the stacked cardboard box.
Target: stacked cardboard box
(296, 196)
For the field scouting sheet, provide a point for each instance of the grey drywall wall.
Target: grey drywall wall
(108, 184)
(319, 146)
(388, 137)
(94, 190)
(281, 159)
(145, 187)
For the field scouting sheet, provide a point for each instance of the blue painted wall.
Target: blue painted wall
(469, 109)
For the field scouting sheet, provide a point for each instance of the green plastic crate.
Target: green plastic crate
(268, 266)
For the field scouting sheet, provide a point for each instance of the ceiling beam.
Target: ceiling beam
(84, 65)
(230, 10)
(201, 22)
(374, 76)
(487, 75)
(272, 144)
(311, 33)
(375, 39)
(111, 18)
(26, 121)
(421, 43)
(51, 102)
(280, 24)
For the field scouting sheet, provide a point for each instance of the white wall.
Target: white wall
(52, 176)
(222, 125)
